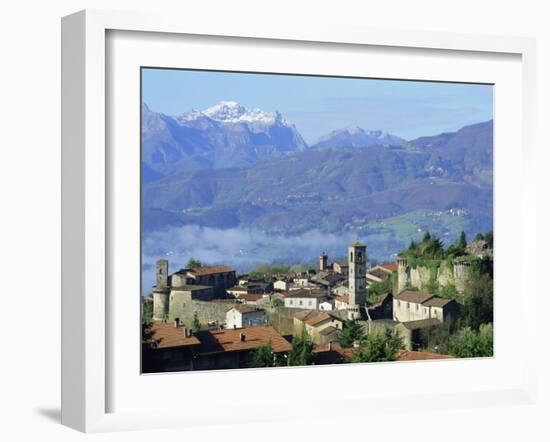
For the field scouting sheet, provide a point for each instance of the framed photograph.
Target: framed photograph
(288, 208)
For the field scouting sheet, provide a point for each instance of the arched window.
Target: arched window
(351, 256)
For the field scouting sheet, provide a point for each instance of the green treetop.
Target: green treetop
(302, 350)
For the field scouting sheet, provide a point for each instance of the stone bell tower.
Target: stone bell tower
(162, 273)
(161, 292)
(357, 257)
(323, 262)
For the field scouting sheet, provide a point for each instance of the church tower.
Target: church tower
(323, 262)
(357, 256)
(161, 293)
(162, 274)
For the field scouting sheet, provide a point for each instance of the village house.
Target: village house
(341, 302)
(328, 279)
(305, 299)
(179, 350)
(281, 285)
(327, 305)
(245, 316)
(341, 290)
(302, 281)
(382, 309)
(322, 327)
(237, 290)
(341, 267)
(220, 277)
(412, 305)
(381, 273)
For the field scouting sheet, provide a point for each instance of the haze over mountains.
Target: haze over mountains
(229, 167)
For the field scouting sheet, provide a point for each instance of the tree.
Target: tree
(147, 314)
(302, 350)
(196, 325)
(351, 333)
(427, 237)
(478, 302)
(193, 263)
(436, 339)
(461, 242)
(378, 347)
(468, 343)
(263, 356)
(448, 291)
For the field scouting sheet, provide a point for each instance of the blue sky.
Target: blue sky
(318, 105)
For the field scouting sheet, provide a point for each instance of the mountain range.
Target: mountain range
(224, 135)
(229, 166)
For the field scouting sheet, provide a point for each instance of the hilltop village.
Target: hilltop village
(431, 303)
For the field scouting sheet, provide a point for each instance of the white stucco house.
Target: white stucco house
(306, 299)
(326, 305)
(412, 305)
(281, 285)
(245, 316)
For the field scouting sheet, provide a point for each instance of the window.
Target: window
(359, 256)
(351, 256)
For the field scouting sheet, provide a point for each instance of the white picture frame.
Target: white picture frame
(86, 207)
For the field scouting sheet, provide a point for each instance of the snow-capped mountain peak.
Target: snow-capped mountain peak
(358, 137)
(233, 112)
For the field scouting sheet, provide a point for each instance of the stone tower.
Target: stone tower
(162, 273)
(323, 262)
(402, 273)
(161, 292)
(357, 256)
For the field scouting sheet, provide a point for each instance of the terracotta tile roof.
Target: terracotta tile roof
(391, 266)
(407, 355)
(343, 298)
(413, 296)
(437, 301)
(210, 270)
(306, 294)
(250, 297)
(329, 330)
(312, 317)
(327, 355)
(245, 308)
(191, 288)
(227, 340)
(172, 336)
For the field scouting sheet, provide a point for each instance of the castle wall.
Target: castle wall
(419, 277)
(282, 319)
(207, 311)
(445, 275)
(160, 305)
(461, 272)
